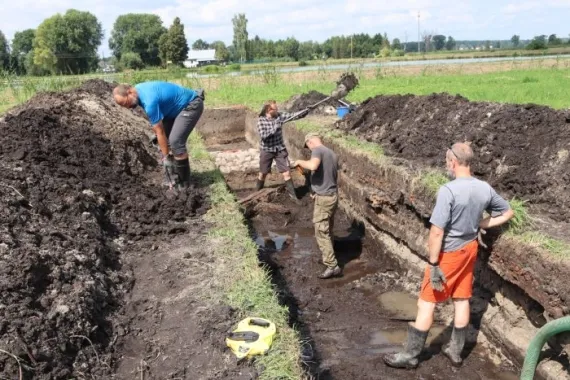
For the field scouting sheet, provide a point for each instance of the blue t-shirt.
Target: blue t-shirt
(163, 100)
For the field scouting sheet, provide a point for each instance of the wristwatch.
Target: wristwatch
(434, 264)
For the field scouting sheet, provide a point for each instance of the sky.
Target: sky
(317, 19)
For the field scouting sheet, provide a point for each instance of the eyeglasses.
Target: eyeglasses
(452, 152)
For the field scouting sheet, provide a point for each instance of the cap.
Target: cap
(309, 136)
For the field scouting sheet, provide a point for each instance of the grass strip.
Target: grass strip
(246, 285)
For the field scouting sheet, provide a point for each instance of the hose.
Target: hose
(535, 347)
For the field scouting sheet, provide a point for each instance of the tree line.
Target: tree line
(68, 44)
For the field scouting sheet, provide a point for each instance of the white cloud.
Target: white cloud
(317, 19)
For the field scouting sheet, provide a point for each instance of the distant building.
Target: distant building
(198, 58)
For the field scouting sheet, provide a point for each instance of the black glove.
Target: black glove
(437, 278)
(200, 93)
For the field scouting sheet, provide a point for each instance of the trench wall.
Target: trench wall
(512, 299)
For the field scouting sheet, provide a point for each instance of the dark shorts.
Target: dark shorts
(281, 160)
(177, 130)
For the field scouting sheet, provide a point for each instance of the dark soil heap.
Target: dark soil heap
(522, 150)
(300, 102)
(75, 196)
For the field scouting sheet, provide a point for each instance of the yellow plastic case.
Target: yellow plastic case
(244, 342)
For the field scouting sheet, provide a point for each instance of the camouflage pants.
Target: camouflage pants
(323, 219)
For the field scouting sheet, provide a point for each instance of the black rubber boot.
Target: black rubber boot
(409, 357)
(183, 171)
(291, 189)
(259, 185)
(455, 346)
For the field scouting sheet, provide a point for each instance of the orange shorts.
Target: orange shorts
(457, 266)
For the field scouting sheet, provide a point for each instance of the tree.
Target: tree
(131, 60)
(487, 45)
(516, 39)
(200, 44)
(222, 52)
(138, 33)
(240, 35)
(553, 40)
(396, 44)
(450, 44)
(537, 43)
(4, 52)
(291, 46)
(438, 42)
(172, 44)
(22, 44)
(68, 43)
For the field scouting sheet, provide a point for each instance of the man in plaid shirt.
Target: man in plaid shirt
(272, 147)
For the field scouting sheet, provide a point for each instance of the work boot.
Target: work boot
(455, 346)
(259, 185)
(291, 190)
(409, 357)
(330, 272)
(183, 171)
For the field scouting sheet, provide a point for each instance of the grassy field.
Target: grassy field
(541, 86)
(540, 81)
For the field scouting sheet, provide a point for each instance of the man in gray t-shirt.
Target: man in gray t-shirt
(455, 223)
(324, 167)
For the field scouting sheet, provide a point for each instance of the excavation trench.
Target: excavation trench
(350, 322)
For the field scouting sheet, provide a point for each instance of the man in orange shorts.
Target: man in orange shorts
(455, 223)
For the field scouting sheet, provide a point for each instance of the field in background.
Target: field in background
(541, 81)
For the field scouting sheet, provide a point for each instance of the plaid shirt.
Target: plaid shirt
(271, 133)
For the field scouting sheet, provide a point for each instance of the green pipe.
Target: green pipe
(535, 347)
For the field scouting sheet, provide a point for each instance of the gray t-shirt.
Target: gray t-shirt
(323, 180)
(459, 209)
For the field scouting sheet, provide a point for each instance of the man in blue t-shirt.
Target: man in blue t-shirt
(173, 112)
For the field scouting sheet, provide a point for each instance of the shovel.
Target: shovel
(306, 109)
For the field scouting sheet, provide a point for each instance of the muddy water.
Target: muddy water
(353, 321)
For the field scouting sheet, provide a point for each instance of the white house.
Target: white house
(200, 58)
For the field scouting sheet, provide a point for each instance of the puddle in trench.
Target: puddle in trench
(400, 304)
(274, 241)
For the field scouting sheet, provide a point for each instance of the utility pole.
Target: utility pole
(351, 45)
(418, 31)
(406, 43)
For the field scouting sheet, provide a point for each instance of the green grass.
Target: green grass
(521, 220)
(432, 180)
(371, 150)
(547, 86)
(247, 286)
(555, 247)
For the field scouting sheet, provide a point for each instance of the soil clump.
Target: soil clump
(521, 150)
(78, 195)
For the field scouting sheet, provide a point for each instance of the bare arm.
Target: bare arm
(491, 222)
(158, 128)
(312, 164)
(434, 243)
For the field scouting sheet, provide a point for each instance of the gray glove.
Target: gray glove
(437, 278)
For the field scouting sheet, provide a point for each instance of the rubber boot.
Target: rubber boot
(455, 346)
(183, 171)
(291, 189)
(259, 185)
(409, 357)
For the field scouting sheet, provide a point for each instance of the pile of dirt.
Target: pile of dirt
(301, 101)
(76, 198)
(522, 150)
